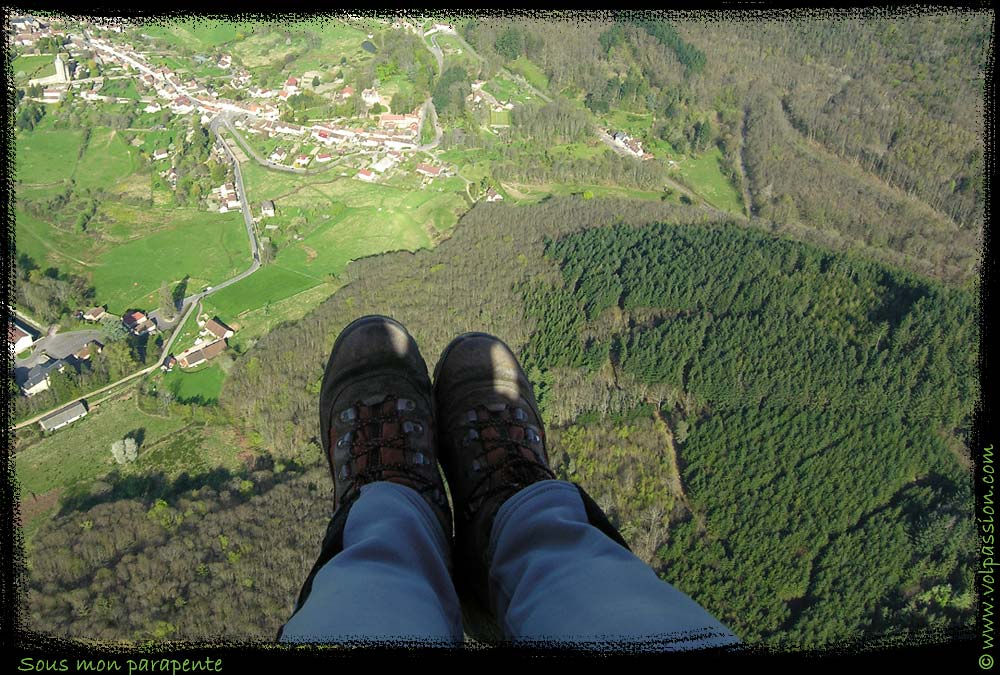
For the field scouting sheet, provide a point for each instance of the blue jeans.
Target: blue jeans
(554, 578)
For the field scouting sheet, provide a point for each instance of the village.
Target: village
(256, 124)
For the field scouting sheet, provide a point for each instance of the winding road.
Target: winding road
(68, 340)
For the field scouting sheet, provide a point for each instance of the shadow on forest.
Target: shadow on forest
(896, 302)
(157, 485)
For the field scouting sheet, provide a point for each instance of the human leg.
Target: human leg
(383, 570)
(555, 576)
(389, 581)
(536, 551)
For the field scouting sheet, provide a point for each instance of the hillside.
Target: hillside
(737, 258)
(756, 367)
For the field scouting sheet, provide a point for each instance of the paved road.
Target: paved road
(58, 346)
(190, 302)
(435, 49)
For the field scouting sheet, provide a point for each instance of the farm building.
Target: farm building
(202, 354)
(218, 329)
(61, 418)
(94, 314)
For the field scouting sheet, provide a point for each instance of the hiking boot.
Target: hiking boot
(492, 443)
(377, 417)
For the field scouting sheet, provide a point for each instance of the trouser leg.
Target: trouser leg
(560, 572)
(384, 575)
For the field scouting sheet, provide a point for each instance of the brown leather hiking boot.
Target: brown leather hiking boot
(492, 442)
(377, 417)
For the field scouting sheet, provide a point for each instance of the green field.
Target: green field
(634, 124)
(208, 247)
(530, 194)
(532, 73)
(122, 88)
(589, 150)
(201, 385)
(200, 34)
(48, 245)
(316, 44)
(338, 220)
(455, 53)
(500, 118)
(107, 160)
(45, 157)
(505, 90)
(704, 175)
(32, 67)
(158, 139)
(82, 451)
(268, 284)
(69, 461)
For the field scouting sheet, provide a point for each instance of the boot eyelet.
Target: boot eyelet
(470, 436)
(531, 435)
(476, 466)
(344, 441)
(412, 427)
(344, 473)
(472, 416)
(520, 415)
(419, 458)
(347, 415)
(405, 405)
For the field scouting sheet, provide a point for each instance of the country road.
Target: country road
(189, 302)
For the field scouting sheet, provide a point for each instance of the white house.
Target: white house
(19, 338)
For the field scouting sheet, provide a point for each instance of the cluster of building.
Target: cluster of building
(394, 132)
(38, 377)
(629, 144)
(212, 341)
(227, 197)
(480, 96)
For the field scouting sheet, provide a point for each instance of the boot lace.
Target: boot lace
(369, 449)
(507, 458)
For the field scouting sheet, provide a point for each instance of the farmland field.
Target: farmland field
(33, 67)
(338, 220)
(532, 73)
(197, 34)
(317, 44)
(122, 88)
(45, 157)
(107, 160)
(206, 246)
(268, 284)
(48, 245)
(199, 386)
(704, 174)
(82, 451)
